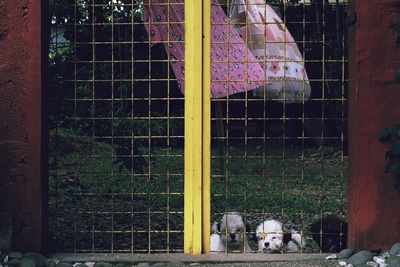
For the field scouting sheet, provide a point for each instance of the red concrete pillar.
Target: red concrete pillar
(374, 103)
(22, 183)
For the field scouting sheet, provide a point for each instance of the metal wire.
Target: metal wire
(116, 161)
(282, 160)
(123, 121)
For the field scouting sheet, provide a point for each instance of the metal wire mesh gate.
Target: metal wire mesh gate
(116, 134)
(117, 128)
(282, 157)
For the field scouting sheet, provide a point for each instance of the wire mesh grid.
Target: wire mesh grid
(278, 155)
(116, 135)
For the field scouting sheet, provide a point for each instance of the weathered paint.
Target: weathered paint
(197, 126)
(374, 103)
(193, 128)
(206, 160)
(20, 122)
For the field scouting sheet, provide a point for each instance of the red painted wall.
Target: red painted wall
(374, 99)
(20, 122)
(374, 204)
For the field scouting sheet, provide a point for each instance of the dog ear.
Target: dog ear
(287, 237)
(219, 227)
(216, 227)
(254, 237)
(248, 228)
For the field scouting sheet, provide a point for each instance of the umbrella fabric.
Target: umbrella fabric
(270, 42)
(233, 68)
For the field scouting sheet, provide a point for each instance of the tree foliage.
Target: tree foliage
(81, 71)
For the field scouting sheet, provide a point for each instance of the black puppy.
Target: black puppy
(330, 233)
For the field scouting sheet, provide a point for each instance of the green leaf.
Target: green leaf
(395, 27)
(393, 166)
(398, 76)
(389, 133)
(395, 148)
(397, 180)
(388, 155)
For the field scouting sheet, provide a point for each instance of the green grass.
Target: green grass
(90, 189)
(295, 187)
(277, 184)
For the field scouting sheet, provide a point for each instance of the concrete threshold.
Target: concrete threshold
(179, 257)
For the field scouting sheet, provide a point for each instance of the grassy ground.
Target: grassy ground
(290, 186)
(97, 204)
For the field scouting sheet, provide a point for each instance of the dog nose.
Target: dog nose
(266, 244)
(233, 236)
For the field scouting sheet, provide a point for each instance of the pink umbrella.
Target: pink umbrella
(234, 68)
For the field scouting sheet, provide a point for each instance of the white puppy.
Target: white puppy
(272, 239)
(293, 242)
(270, 236)
(232, 231)
(216, 243)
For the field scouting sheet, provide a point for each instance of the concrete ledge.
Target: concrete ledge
(178, 257)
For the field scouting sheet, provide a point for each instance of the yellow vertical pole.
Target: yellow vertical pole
(197, 127)
(193, 127)
(206, 123)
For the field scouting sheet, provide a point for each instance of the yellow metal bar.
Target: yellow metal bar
(193, 127)
(206, 123)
